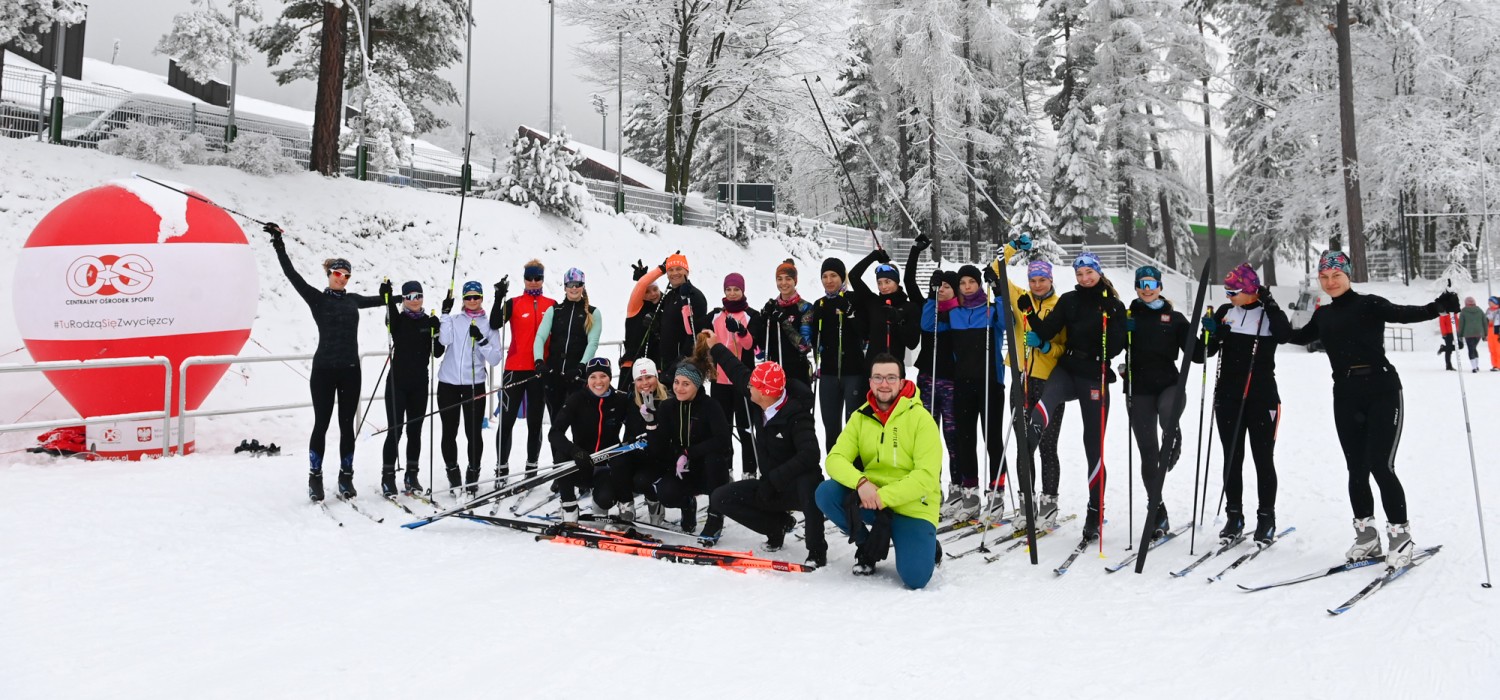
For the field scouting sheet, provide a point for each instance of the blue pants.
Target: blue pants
(914, 540)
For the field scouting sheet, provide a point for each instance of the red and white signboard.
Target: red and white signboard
(132, 269)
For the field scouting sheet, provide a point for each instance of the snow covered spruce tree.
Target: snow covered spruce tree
(1061, 61)
(541, 177)
(22, 20)
(202, 40)
(411, 41)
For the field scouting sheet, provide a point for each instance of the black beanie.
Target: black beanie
(951, 278)
(970, 271)
(835, 265)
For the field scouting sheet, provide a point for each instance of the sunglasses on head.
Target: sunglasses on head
(1148, 284)
(412, 296)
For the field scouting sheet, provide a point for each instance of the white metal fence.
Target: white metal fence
(77, 365)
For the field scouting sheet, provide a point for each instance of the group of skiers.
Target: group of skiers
(701, 384)
(1474, 326)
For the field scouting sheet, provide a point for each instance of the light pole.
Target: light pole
(467, 173)
(551, 35)
(234, 83)
(620, 125)
(603, 109)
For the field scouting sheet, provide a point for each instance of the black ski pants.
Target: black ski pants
(1369, 428)
(529, 395)
(1093, 404)
(838, 398)
(453, 400)
(405, 406)
(610, 482)
(1051, 465)
(329, 384)
(703, 476)
(1150, 419)
(737, 412)
(763, 508)
(976, 410)
(1258, 428)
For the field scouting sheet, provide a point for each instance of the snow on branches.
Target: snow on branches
(540, 176)
(20, 20)
(204, 39)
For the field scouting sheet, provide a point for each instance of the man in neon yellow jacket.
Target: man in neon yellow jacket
(896, 491)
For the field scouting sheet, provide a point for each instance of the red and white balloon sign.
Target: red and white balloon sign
(132, 269)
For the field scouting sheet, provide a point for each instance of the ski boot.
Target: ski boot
(1163, 524)
(1265, 527)
(455, 477)
(951, 503)
(1398, 554)
(864, 568)
(412, 485)
(346, 484)
(994, 505)
(968, 505)
(816, 560)
(502, 474)
(530, 469)
(599, 512)
(472, 480)
(315, 486)
(656, 513)
(625, 511)
(1090, 526)
(713, 528)
(1046, 512)
(1234, 525)
(388, 481)
(1366, 540)
(690, 515)
(570, 512)
(777, 539)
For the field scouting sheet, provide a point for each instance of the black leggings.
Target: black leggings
(511, 401)
(970, 412)
(1259, 429)
(404, 405)
(452, 400)
(1051, 465)
(732, 400)
(1093, 402)
(1150, 415)
(328, 383)
(1369, 428)
(741, 501)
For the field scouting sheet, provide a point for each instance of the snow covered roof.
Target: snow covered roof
(644, 175)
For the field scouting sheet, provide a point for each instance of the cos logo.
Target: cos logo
(108, 275)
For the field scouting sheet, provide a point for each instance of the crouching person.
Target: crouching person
(893, 499)
(785, 446)
(590, 421)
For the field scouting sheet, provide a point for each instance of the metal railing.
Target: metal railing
(1120, 255)
(1399, 339)
(74, 365)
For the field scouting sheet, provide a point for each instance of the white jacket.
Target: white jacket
(461, 368)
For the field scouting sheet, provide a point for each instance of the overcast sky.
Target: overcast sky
(510, 63)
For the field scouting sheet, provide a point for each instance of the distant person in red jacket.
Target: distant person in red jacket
(524, 314)
(1445, 326)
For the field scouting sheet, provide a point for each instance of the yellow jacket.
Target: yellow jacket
(1040, 363)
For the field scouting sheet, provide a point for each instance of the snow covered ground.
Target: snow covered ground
(211, 576)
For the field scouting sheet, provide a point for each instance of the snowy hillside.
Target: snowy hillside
(211, 576)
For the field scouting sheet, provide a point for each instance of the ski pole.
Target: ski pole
(1130, 434)
(198, 197)
(461, 402)
(390, 349)
(1484, 545)
(853, 190)
(431, 399)
(1103, 402)
(879, 172)
(1213, 422)
(1198, 451)
(1239, 418)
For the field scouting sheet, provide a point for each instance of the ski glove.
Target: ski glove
(1034, 340)
(921, 242)
(275, 231)
(637, 271)
(448, 304)
(734, 326)
(386, 290)
(990, 277)
(541, 367)
(1129, 324)
(584, 461)
(648, 414)
(502, 288)
(1210, 324)
(1022, 242)
(682, 465)
(1023, 303)
(1266, 299)
(477, 334)
(881, 255)
(1448, 302)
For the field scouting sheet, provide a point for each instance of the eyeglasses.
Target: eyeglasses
(530, 278)
(473, 297)
(885, 379)
(573, 285)
(1148, 283)
(339, 273)
(412, 297)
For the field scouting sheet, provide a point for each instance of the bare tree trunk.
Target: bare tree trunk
(903, 164)
(1352, 208)
(328, 110)
(932, 188)
(1167, 240)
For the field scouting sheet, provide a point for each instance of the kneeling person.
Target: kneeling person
(785, 447)
(897, 489)
(595, 415)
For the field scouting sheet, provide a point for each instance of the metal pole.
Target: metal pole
(234, 82)
(620, 124)
(467, 173)
(1208, 166)
(551, 35)
(59, 31)
(1484, 206)
(734, 162)
(362, 154)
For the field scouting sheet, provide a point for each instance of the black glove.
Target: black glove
(275, 231)
(448, 304)
(882, 256)
(990, 277)
(502, 288)
(386, 290)
(541, 367)
(476, 334)
(921, 242)
(733, 326)
(1023, 303)
(584, 461)
(637, 271)
(434, 323)
(765, 491)
(1266, 299)
(1448, 302)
